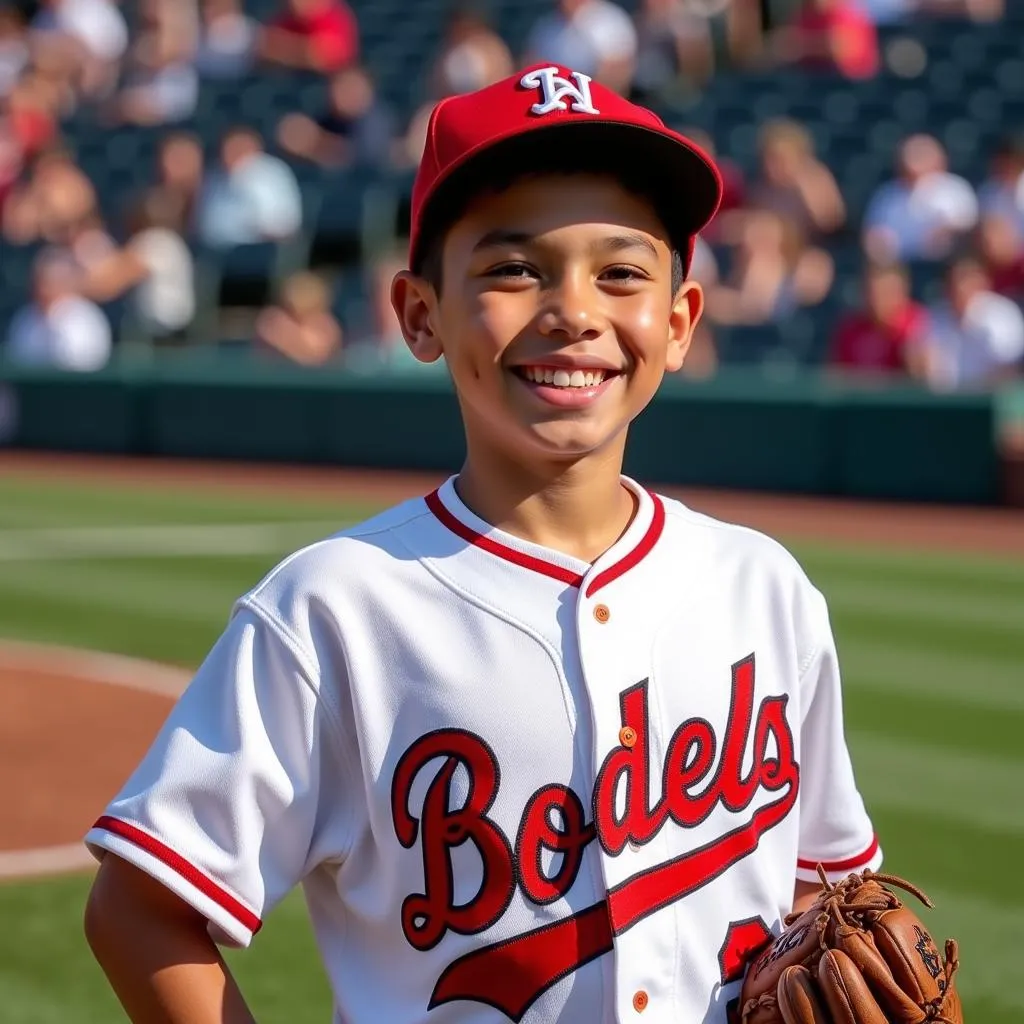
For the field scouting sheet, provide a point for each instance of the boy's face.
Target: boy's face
(556, 315)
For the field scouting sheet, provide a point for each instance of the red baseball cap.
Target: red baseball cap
(547, 116)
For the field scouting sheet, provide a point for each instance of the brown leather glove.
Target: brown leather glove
(859, 955)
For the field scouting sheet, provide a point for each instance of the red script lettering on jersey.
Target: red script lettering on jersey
(511, 974)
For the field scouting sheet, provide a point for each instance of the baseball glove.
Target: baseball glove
(859, 955)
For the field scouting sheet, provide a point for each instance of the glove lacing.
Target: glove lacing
(865, 906)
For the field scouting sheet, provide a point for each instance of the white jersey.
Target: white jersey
(513, 785)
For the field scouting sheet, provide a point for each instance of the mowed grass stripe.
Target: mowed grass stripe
(921, 602)
(32, 502)
(885, 711)
(944, 848)
(166, 540)
(969, 790)
(51, 617)
(996, 643)
(117, 588)
(961, 679)
(982, 574)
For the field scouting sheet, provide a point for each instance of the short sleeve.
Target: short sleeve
(242, 792)
(835, 829)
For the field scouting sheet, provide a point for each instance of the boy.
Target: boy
(543, 745)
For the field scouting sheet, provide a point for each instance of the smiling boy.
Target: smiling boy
(541, 745)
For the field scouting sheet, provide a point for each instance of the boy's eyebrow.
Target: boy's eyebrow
(613, 243)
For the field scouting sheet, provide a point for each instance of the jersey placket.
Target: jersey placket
(614, 632)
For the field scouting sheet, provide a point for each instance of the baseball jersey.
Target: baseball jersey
(511, 784)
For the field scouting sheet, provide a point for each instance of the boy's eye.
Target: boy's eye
(512, 270)
(624, 273)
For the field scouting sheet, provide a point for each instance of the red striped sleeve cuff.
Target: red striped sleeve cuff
(238, 913)
(870, 857)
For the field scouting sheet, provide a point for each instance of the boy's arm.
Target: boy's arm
(836, 832)
(156, 951)
(243, 792)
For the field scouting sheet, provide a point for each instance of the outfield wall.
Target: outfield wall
(739, 430)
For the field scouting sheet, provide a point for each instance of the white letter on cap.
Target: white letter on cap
(555, 89)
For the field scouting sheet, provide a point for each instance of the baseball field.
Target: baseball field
(116, 578)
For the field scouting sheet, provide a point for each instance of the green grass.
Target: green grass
(932, 650)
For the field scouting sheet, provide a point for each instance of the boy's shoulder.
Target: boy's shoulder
(732, 544)
(354, 556)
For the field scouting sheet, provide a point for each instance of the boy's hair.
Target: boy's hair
(559, 163)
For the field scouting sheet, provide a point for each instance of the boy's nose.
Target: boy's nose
(574, 310)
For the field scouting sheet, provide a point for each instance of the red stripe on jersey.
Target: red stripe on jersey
(647, 542)
(557, 572)
(850, 864)
(467, 533)
(177, 863)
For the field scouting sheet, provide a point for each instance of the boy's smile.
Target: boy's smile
(556, 314)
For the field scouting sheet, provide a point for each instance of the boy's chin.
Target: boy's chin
(568, 443)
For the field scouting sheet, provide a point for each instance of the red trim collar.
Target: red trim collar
(557, 572)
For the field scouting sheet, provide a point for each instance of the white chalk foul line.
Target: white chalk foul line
(170, 541)
(91, 667)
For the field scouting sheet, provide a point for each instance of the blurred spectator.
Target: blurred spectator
(472, 55)
(1002, 193)
(58, 328)
(162, 84)
(56, 196)
(315, 35)
(773, 273)
(301, 327)
(734, 188)
(830, 35)
(155, 266)
(357, 128)
(923, 211)
(227, 40)
(702, 358)
(795, 183)
(88, 241)
(975, 337)
(180, 164)
(408, 149)
(29, 117)
(881, 338)
(251, 197)
(674, 46)
(90, 35)
(379, 344)
(1000, 245)
(14, 52)
(595, 37)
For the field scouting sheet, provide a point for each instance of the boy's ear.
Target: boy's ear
(687, 310)
(415, 305)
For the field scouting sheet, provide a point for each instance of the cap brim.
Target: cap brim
(682, 183)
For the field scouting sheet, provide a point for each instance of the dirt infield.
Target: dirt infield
(72, 725)
(992, 530)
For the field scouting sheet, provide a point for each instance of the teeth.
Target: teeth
(563, 378)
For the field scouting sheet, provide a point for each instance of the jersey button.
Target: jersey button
(601, 613)
(627, 736)
(640, 1001)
